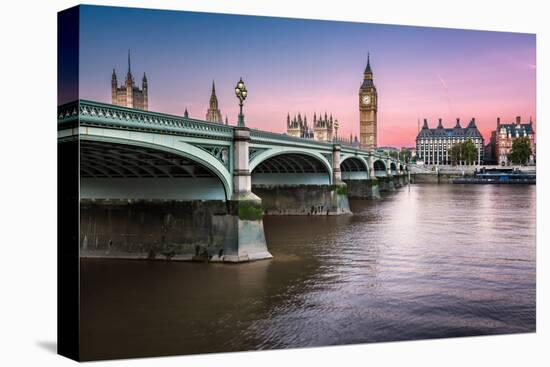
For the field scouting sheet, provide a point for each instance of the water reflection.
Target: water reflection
(432, 261)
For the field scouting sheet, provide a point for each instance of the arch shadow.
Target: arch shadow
(112, 157)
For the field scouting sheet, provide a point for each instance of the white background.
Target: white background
(28, 182)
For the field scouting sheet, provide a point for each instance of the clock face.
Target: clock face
(366, 100)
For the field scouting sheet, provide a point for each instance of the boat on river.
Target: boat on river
(499, 176)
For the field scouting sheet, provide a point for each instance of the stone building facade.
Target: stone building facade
(433, 144)
(324, 127)
(129, 94)
(298, 127)
(504, 137)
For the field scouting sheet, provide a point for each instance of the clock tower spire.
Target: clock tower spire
(368, 108)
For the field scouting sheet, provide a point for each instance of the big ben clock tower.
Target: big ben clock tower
(368, 102)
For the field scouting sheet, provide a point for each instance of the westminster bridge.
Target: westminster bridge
(154, 185)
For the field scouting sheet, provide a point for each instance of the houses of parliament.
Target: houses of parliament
(324, 127)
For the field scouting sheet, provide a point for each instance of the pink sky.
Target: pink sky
(293, 65)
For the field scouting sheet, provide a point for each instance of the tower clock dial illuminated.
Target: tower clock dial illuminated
(366, 100)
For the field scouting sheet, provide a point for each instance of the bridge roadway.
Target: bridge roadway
(154, 185)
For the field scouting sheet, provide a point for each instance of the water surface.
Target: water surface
(427, 261)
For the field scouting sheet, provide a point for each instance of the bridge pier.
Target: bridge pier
(245, 209)
(154, 229)
(402, 179)
(387, 182)
(338, 191)
(365, 188)
(316, 198)
(303, 199)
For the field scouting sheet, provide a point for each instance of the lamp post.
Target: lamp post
(336, 126)
(241, 92)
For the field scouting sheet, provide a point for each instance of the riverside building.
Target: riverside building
(433, 144)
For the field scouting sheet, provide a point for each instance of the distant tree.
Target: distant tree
(469, 152)
(521, 151)
(406, 154)
(394, 154)
(463, 152)
(455, 153)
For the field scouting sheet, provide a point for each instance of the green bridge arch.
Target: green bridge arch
(168, 144)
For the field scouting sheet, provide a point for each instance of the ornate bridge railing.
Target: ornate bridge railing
(95, 113)
(260, 135)
(91, 113)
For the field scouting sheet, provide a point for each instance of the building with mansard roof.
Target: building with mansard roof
(505, 134)
(433, 144)
(129, 94)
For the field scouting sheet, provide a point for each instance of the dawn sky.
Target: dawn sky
(292, 65)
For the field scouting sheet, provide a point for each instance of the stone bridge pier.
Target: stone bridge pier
(370, 179)
(245, 208)
(359, 175)
(299, 183)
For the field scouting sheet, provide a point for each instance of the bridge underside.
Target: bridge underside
(118, 171)
(380, 169)
(291, 169)
(354, 169)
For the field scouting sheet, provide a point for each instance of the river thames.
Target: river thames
(426, 261)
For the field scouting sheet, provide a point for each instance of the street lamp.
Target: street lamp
(241, 92)
(336, 125)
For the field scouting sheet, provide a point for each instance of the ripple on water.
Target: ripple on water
(435, 261)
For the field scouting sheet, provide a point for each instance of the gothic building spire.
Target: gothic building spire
(129, 77)
(129, 66)
(213, 98)
(368, 70)
(213, 114)
(129, 94)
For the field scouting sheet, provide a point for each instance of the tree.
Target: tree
(406, 154)
(521, 151)
(455, 153)
(469, 152)
(463, 152)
